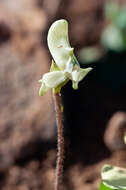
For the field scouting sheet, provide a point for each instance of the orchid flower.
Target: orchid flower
(65, 66)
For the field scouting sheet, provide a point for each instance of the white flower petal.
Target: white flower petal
(53, 79)
(59, 45)
(79, 74)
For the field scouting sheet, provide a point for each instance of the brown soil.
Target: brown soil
(27, 122)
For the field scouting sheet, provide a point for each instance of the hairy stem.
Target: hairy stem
(59, 166)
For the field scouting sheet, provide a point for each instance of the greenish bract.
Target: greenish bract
(65, 66)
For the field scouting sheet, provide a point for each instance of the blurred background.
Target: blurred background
(94, 115)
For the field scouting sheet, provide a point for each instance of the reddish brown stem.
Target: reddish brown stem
(59, 166)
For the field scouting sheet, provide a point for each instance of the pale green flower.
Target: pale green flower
(66, 66)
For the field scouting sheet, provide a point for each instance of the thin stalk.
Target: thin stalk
(59, 166)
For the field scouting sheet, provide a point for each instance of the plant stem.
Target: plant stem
(59, 166)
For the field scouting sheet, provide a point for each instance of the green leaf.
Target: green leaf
(103, 187)
(114, 177)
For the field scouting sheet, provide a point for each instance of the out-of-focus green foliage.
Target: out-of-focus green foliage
(111, 10)
(89, 54)
(121, 19)
(112, 38)
(114, 35)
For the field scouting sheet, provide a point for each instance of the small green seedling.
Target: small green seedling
(64, 67)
